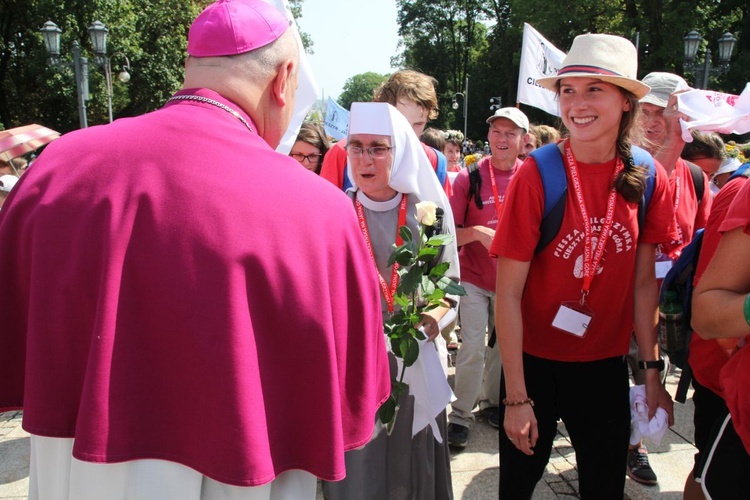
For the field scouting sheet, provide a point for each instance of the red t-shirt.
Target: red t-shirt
(707, 357)
(334, 165)
(691, 214)
(477, 267)
(556, 276)
(735, 376)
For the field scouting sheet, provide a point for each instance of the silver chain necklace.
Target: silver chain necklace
(191, 97)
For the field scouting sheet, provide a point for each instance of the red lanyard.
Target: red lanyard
(494, 190)
(677, 189)
(591, 258)
(388, 293)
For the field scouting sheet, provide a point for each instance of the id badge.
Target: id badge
(573, 318)
(662, 268)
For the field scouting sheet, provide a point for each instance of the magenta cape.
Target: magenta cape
(172, 288)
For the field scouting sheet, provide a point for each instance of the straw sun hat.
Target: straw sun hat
(610, 58)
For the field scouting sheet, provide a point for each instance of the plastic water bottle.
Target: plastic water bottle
(671, 327)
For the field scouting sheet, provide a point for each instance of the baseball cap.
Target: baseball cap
(7, 182)
(231, 27)
(513, 114)
(662, 85)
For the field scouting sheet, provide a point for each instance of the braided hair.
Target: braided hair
(631, 182)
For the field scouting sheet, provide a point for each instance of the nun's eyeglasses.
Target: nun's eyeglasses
(378, 152)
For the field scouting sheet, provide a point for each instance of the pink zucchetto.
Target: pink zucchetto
(231, 27)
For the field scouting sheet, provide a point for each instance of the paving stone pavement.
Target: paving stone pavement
(475, 469)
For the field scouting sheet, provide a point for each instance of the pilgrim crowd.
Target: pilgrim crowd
(174, 335)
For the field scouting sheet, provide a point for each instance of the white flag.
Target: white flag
(337, 120)
(539, 59)
(715, 112)
(307, 88)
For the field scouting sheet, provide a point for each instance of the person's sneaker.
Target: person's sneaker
(458, 435)
(492, 414)
(639, 469)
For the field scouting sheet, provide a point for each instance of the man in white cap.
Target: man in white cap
(200, 341)
(691, 198)
(476, 200)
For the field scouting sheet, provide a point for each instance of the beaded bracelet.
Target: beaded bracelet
(527, 401)
(747, 309)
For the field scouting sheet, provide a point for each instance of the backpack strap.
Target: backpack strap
(441, 169)
(549, 162)
(697, 174)
(642, 158)
(743, 171)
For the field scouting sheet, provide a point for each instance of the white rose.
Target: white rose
(426, 213)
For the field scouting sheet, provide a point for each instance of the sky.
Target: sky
(350, 37)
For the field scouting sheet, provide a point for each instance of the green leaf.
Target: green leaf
(440, 240)
(427, 253)
(409, 350)
(405, 234)
(396, 346)
(403, 255)
(440, 269)
(428, 287)
(401, 300)
(436, 295)
(410, 280)
(451, 287)
(387, 411)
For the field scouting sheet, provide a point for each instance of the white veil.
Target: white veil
(411, 171)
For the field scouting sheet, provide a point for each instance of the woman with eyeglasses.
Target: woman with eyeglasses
(311, 146)
(390, 173)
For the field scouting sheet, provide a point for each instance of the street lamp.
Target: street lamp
(703, 71)
(98, 33)
(465, 96)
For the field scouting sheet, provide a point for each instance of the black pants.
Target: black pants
(725, 467)
(592, 398)
(710, 411)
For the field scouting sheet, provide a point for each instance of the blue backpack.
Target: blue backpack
(549, 162)
(679, 279)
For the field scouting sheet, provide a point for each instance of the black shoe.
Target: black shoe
(492, 414)
(458, 435)
(639, 469)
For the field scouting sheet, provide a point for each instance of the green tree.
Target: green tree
(307, 42)
(441, 38)
(447, 40)
(151, 33)
(360, 88)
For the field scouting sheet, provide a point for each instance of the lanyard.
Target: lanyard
(388, 293)
(494, 189)
(677, 189)
(591, 257)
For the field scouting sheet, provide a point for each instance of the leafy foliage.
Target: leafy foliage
(360, 88)
(422, 286)
(452, 39)
(151, 33)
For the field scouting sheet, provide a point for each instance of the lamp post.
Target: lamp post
(465, 96)
(98, 33)
(704, 70)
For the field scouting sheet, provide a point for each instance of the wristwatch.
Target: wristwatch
(647, 365)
